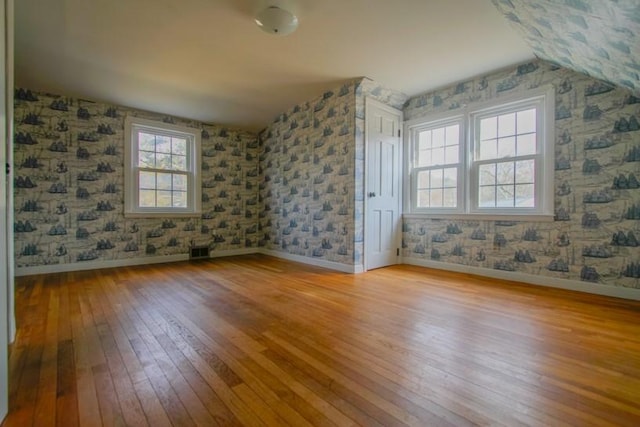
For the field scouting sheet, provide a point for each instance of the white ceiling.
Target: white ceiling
(207, 60)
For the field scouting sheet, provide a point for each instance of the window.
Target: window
(493, 159)
(438, 168)
(162, 173)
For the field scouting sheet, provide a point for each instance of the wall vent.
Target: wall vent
(199, 252)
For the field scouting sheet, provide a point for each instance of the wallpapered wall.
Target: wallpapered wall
(69, 177)
(312, 182)
(599, 38)
(596, 233)
(300, 189)
(306, 185)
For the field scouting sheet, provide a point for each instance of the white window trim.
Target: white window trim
(194, 177)
(546, 167)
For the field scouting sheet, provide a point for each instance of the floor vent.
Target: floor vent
(199, 252)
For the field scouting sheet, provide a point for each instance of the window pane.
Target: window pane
(179, 146)
(504, 196)
(164, 199)
(436, 198)
(179, 182)
(146, 141)
(424, 158)
(527, 121)
(487, 174)
(163, 144)
(179, 163)
(438, 137)
(452, 135)
(436, 178)
(163, 161)
(147, 180)
(507, 124)
(505, 173)
(450, 197)
(487, 197)
(437, 156)
(489, 128)
(451, 154)
(424, 140)
(507, 147)
(526, 144)
(423, 198)
(164, 181)
(423, 179)
(525, 171)
(488, 149)
(451, 177)
(179, 199)
(146, 159)
(147, 198)
(525, 196)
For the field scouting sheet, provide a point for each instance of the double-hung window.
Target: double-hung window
(438, 165)
(162, 169)
(493, 159)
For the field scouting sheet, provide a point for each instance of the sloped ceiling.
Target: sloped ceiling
(599, 38)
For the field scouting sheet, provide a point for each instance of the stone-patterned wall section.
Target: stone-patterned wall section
(69, 186)
(596, 233)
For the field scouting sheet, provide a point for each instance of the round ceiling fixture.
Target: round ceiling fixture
(277, 21)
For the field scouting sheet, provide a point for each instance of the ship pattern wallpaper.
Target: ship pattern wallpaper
(598, 38)
(312, 180)
(298, 186)
(595, 234)
(69, 186)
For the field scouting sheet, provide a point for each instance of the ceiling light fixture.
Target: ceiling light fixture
(277, 21)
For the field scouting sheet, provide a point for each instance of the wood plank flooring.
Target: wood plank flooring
(258, 341)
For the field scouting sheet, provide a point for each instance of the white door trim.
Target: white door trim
(9, 28)
(373, 103)
(7, 323)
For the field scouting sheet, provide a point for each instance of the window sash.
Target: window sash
(414, 135)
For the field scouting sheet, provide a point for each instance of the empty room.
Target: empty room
(320, 213)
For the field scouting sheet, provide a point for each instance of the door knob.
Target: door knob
(372, 194)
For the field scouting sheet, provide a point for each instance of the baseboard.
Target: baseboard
(233, 252)
(572, 285)
(345, 268)
(95, 265)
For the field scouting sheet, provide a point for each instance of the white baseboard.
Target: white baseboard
(573, 285)
(233, 252)
(345, 268)
(94, 265)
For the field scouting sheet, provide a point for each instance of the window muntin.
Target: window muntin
(163, 169)
(505, 156)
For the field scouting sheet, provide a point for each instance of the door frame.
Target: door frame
(7, 319)
(370, 103)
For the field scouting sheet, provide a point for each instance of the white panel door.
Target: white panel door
(382, 192)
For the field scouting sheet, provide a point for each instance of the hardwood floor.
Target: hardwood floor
(254, 341)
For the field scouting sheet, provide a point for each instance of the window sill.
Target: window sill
(482, 217)
(162, 214)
